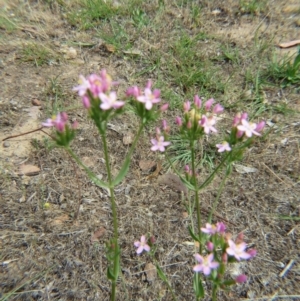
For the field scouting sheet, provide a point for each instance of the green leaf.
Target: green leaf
(122, 173)
(110, 274)
(198, 287)
(161, 274)
(91, 175)
(229, 282)
(193, 234)
(296, 64)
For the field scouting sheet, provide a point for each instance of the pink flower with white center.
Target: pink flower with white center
(248, 128)
(59, 121)
(224, 146)
(237, 250)
(160, 144)
(206, 264)
(142, 245)
(106, 81)
(208, 104)
(218, 109)
(110, 102)
(209, 229)
(84, 85)
(197, 101)
(149, 98)
(208, 124)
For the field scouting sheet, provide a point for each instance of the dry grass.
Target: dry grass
(45, 253)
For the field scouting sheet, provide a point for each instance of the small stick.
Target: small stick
(285, 270)
(22, 134)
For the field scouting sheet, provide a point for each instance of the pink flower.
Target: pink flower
(252, 252)
(83, 86)
(208, 104)
(133, 91)
(208, 124)
(109, 102)
(224, 146)
(212, 229)
(59, 121)
(241, 278)
(218, 109)
(149, 98)
(165, 126)
(237, 250)
(159, 144)
(206, 264)
(142, 245)
(197, 101)
(248, 128)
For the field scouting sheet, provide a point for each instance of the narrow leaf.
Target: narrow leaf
(161, 274)
(122, 172)
(193, 234)
(110, 274)
(198, 287)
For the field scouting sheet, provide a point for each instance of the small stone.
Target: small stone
(28, 170)
(6, 144)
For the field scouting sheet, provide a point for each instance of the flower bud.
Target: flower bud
(240, 238)
(186, 106)
(252, 252)
(86, 102)
(218, 109)
(178, 121)
(197, 101)
(208, 104)
(164, 107)
(210, 246)
(241, 278)
(260, 126)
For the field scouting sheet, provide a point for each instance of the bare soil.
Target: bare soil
(46, 254)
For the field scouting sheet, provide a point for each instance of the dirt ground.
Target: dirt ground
(45, 254)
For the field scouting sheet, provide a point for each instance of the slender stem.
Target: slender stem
(115, 218)
(214, 292)
(198, 207)
(216, 201)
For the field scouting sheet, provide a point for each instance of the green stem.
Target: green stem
(198, 207)
(214, 292)
(115, 218)
(216, 201)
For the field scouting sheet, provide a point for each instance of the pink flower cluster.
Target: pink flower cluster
(204, 116)
(148, 97)
(59, 122)
(98, 86)
(218, 240)
(159, 144)
(244, 127)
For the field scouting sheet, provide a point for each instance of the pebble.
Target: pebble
(6, 144)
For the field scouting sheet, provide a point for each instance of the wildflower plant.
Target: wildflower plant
(199, 119)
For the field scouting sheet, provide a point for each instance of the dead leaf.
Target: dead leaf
(36, 102)
(133, 52)
(146, 165)
(22, 199)
(127, 138)
(244, 169)
(110, 48)
(98, 234)
(28, 170)
(60, 220)
(289, 44)
(150, 271)
(87, 161)
(156, 172)
(172, 181)
(185, 214)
